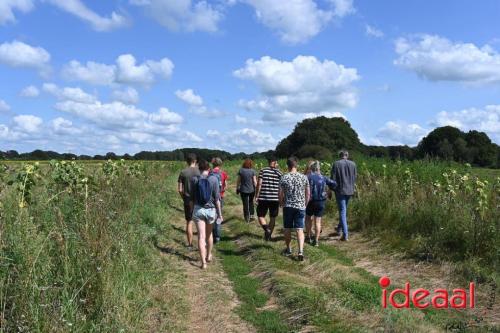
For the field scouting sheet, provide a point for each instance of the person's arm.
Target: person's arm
(218, 206)
(281, 197)
(254, 181)
(308, 192)
(180, 186)
(238, 183)
(259, 185)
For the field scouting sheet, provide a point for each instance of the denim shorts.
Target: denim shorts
(293, 218)
(315, 208)
(207, 215)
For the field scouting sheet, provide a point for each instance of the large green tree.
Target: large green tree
(332, 134)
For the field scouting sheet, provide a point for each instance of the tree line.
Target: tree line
(321, 138)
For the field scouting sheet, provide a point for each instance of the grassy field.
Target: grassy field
(98, 247)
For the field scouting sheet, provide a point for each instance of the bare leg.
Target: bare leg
(200, 225)
(308, 226)
(317, 228)
(189, 232)
(272, 222)
(300, 239)
(288, 238)
(210, 240)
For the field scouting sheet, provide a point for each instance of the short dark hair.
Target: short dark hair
(271, 158)
(343, 153)
(292, 162)
(203, 165)
(190, 158)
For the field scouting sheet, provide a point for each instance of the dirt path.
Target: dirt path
(211, 298)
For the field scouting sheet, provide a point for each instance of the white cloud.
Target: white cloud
(298, 21)
(61, 126)
(165, 116)
(188, 96)
(125, 71)
(80, 10)
(27, 123)
(438, 59)
(70, 94)
(127, 96)
(7, 8)
(245, 139)
(129, 72)
(195, 103)
(4, 107)
(373, 32)
(343, 7)
(30, 91)
(303, 86)
(400, 133)
(183, 15)
(92, 72)
(19, 54)
(485, 120)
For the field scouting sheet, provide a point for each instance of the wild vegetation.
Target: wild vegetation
(79, 248)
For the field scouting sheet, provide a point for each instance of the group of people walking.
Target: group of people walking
(303, 197)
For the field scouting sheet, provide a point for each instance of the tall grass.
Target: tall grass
(75, 247)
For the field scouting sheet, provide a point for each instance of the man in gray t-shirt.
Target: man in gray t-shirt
(344, 173)
(185, 189)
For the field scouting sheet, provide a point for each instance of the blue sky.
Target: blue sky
(90, 77)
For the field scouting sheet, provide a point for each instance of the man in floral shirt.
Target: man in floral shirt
(294, 195)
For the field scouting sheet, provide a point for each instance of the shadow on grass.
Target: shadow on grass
(243, 251)
(240, 235)
(170, 250)
(180, 210)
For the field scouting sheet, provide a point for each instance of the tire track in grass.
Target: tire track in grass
(326, 293)
(212, 301)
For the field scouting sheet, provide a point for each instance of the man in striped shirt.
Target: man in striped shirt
(267, 197)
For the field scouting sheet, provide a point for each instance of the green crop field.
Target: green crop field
(98, 247)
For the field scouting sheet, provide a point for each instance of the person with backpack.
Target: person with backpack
(207, 209)
(344, 172)
(294, 194)
(319, 185)
(266, 196)
(185, 189)
(245, 187)
(222, 179)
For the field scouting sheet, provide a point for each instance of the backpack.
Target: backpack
(218, 175)
(203, 191)
(317, 184)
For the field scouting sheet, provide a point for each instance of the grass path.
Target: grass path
(209, 294)
(250, 287)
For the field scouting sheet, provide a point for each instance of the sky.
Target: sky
(93, 76)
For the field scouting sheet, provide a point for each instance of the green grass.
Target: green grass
(248, 289)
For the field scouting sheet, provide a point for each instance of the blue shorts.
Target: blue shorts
(316, 208)
(293, 218)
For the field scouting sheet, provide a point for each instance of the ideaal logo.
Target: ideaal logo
(423, 298)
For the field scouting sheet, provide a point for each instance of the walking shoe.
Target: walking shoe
(216, 240)
(189, 248)
(309, 240)
(343, 239)
(300, 256)
(316, 243)
(287, 252)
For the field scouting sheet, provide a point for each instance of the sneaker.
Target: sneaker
(267, 235)
(343, 239)
(300, 256)
(189, 248)
(316, 243)
(216, 240)
(287, 252)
